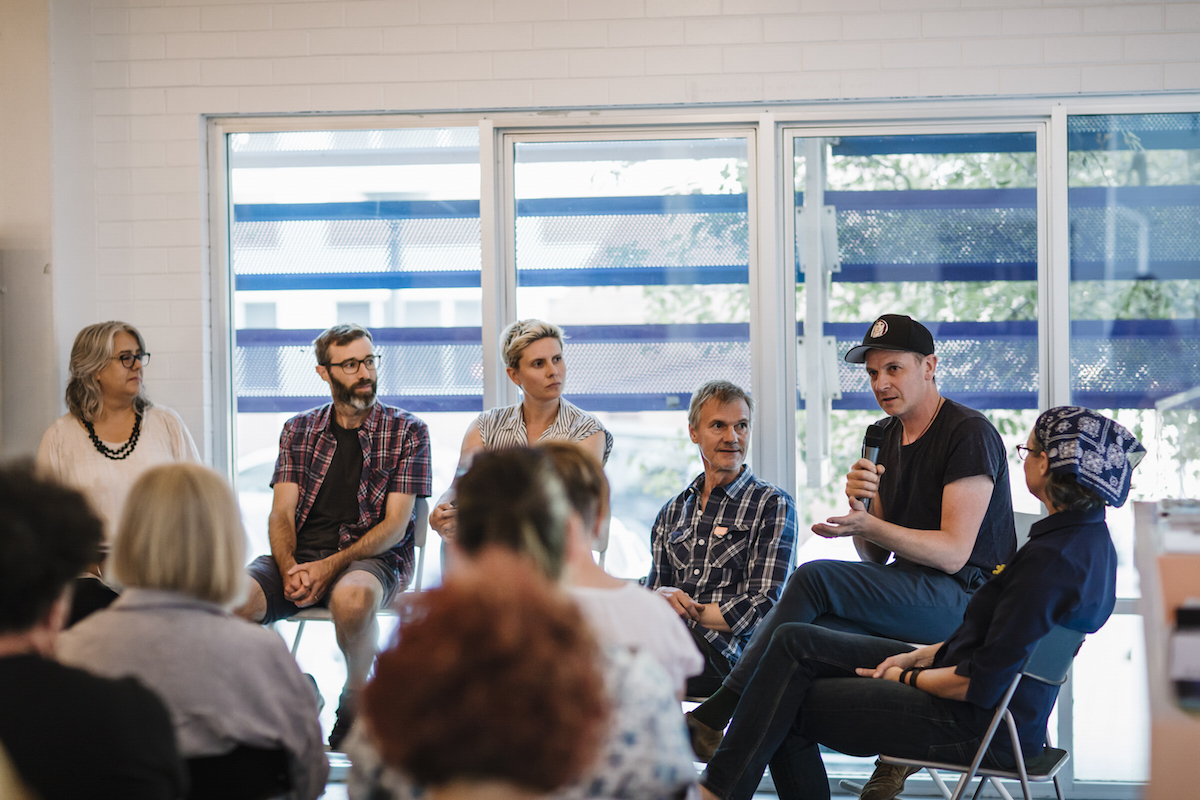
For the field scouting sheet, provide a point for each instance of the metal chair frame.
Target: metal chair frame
(1049, 663)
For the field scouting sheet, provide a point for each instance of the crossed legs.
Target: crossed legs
(805, 693)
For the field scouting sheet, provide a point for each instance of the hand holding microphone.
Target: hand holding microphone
(863, 481)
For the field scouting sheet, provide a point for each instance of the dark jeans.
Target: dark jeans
(859, 597)
(716, 667)
(805, 693)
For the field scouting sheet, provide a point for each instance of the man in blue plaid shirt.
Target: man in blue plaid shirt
(723, 548)
(341, 523)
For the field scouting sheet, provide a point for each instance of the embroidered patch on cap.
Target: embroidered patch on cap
(879, 328)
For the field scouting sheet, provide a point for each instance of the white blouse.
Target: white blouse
(67, 453)
(505, 427)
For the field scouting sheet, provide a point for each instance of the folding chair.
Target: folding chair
(1049, 663)
(420, 532)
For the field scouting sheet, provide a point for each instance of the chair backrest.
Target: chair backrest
(1024, 522)
(245, 773)
(421, 513)
(420, 535)
(1051, 658)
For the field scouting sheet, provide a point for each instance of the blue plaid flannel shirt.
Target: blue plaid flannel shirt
(742, 570)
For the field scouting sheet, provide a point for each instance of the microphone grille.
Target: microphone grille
(874, 437)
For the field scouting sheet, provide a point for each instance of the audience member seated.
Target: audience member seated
(110, 435)
(341, 523)
(620, 612)
(864, 695)
(68, 733)
(533, 352)
(512, 500)
(722, 549)
(493, 691)
(180, 553)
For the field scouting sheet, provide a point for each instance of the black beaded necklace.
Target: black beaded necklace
(125, 450)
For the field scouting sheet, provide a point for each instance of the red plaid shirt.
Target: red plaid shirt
(395, 448)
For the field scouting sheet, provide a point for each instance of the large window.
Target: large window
(639, 249)
(677, 248)
(1135, 340)
(376, 227)
(942, 227)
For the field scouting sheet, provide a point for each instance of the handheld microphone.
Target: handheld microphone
(871, 444)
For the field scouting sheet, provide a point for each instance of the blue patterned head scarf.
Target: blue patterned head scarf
(1098, 451)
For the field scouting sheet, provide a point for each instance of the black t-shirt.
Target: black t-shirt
(959, 443)
(337, 499)
(71, 734)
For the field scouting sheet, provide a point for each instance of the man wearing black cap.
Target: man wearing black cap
(939, 502)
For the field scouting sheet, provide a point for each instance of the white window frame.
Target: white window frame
(771, 127)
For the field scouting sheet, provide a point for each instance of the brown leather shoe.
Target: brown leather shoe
(886, 782)
(705, 740)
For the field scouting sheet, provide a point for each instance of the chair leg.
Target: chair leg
(299, 633)
(1000, 789)
(939, 782)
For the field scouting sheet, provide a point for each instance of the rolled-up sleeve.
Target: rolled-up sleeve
(287, 468)
(414, 469)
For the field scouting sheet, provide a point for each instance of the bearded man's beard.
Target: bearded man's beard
(348, 395)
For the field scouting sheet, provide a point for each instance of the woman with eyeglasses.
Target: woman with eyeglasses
(109, 436)
(533, 352)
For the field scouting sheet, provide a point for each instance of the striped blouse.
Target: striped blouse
(505, 427)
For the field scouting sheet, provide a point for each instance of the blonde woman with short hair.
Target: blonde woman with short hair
(533, 354)
(180, 552)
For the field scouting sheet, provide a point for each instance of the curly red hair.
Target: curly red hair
(494, 677)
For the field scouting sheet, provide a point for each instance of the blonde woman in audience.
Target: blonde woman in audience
(512, 500)
(533, 352)
(180, 551)
(494, 689)
(620, 612)
(110, 434)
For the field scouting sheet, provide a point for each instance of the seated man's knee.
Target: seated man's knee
(354, 602)
(255, 606)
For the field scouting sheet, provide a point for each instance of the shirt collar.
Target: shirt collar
(1066, 519)
(137, 598)
(732, 490)
(325, 417)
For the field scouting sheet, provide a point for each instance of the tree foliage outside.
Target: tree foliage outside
(998, 301)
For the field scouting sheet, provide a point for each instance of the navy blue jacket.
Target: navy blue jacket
(1065, 575)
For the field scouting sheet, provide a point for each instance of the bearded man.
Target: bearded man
(341, 523)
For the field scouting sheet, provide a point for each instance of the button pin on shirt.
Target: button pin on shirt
(719, 530)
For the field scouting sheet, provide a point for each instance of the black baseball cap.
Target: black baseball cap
(893, 332)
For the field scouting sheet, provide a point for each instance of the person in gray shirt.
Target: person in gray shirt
(227, 682)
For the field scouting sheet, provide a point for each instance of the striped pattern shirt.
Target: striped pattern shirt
(736, 552)
(395, 448)
(505, 427)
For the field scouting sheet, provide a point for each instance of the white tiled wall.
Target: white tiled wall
(157, 65)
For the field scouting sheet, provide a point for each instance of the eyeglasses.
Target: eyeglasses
(127, 359)
(350, 365)
(1024, 451)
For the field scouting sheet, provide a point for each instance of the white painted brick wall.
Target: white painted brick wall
(160, 64)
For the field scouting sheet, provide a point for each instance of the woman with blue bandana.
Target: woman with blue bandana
(815, 686)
